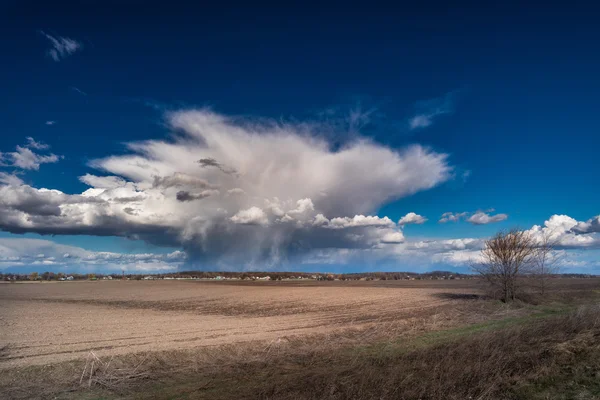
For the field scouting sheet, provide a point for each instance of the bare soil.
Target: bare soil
(44, 323)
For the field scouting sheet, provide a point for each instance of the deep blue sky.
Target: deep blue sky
(523, 81)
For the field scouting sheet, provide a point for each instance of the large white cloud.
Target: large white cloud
(566, 233)
(228, 190)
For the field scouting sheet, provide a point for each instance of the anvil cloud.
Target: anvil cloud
(234, 191)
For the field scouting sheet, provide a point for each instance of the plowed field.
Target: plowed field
(43, 323)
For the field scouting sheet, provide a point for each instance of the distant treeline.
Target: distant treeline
(249, 275)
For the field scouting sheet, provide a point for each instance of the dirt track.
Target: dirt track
(52, 322)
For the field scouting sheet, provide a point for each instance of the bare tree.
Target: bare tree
(505, 258)
(545, 261)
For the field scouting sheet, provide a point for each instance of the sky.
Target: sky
(155, 137)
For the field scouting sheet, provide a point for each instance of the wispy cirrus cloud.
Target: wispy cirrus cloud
(429, 110)
(62, 47)
(81, 92)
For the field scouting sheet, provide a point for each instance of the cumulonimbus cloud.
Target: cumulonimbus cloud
(263, 191)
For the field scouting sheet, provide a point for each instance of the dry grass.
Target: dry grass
(501, 358)
(494, 364)
(472, 349)
(122, 373)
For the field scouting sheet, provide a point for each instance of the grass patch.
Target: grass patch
(440, 337)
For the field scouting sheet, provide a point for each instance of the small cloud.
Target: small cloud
(452, 217)
(360, 221)
(180, 179)
(393, 238)
(251, 216)
(33, 144)
(184, 195)
(62, 47)
(211, 162)
(236, 192)
(358, 118)
(81, 92)
(421, 121)
(130, 211)
(465, 175)
(482, 218)
(429, 110)
(102, 182)
(476, 218)
(412, 218)
(25, 158)
(50, 123)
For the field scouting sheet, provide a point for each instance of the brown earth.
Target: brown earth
(43, 323)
